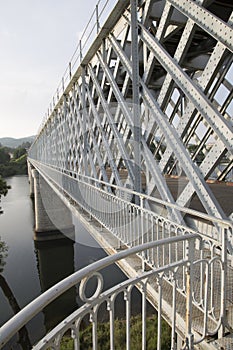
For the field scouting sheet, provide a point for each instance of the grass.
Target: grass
(103, 333)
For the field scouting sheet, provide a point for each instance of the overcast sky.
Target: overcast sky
(37, 40)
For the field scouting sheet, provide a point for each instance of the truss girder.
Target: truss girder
(219, 149)
(218, 123)
(180, 51)
(184, 56)
(105, 140)
(92, 138)
(111, 123)
(196, 180)
(151, 164)
(217, 28)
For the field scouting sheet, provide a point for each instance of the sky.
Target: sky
(37, 40)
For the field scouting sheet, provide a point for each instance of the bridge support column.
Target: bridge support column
(31, 180)
(53, 220)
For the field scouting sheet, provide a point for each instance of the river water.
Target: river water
(31, 267)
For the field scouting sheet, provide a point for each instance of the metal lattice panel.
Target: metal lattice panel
(180, 64)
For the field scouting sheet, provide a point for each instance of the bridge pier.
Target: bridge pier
(31, 180)
(53, 220)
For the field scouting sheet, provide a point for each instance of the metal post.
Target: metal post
(104, 51)
(80, 51)
(127, 297)
(110, 308)
(93, 320)
(221, 331)
(97, 19)
(70, 70)
(84, 114)
(144, 288)
(136, 107)
(173, 337)
(66, 146)
(159, 327)
(189, 292)
(142, 232)
(77, 339)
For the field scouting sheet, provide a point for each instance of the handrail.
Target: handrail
(28, 312)
(88, 179)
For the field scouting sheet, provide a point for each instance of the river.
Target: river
(31, 267)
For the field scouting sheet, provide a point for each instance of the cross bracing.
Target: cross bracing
(183, 76)
(140, 132)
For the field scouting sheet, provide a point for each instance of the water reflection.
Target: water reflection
(55, 261)
(23, 333)
(3, 254)
(23, 336)
(32, 267)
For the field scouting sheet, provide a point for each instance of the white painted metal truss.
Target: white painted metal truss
(148, 107)
(151, 96)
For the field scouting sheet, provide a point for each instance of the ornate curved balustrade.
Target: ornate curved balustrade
(93, 304)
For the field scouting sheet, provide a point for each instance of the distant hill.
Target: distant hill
(14, 143)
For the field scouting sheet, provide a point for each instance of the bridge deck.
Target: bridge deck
(132, 266)
(223, 191)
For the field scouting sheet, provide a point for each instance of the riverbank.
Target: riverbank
(3, 191)
(13, 161)
(3, 187)
(14, 167)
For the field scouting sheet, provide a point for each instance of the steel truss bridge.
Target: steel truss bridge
(138, 138)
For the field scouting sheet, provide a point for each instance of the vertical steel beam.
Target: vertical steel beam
(221, 332)
(85, 146)
(65, 133)
(136, 103)
(97, 19)
(190, 248)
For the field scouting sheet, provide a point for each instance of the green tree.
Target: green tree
(19, 152)
(15, 166)
(4, 156)
(3, 191)
(26, 145)
(20, 165)
(3, 187)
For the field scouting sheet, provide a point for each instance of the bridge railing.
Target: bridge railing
(105, 301)
(133, 225)
(218, 229)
